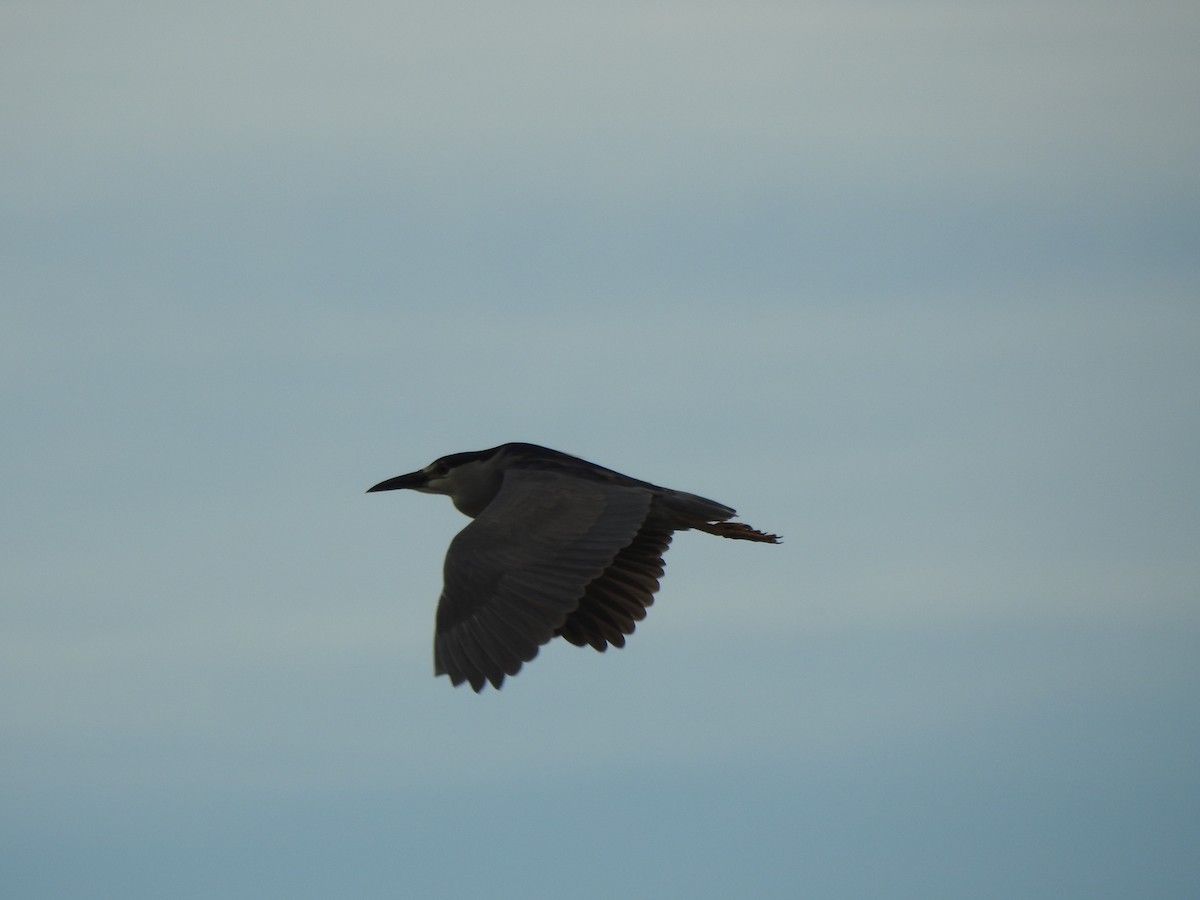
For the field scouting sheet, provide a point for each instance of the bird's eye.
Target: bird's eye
(440, 470)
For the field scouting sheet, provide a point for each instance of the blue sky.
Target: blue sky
(915, 285)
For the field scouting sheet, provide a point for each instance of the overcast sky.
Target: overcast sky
(915, 285)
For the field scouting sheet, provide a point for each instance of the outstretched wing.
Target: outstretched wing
(517, 572)
(617, 600)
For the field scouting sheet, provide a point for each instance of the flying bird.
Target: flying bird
(558, 546)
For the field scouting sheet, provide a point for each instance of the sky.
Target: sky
(916, 286)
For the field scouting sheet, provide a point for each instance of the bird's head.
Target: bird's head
(470, 479)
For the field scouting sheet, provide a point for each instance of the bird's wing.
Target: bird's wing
(517, 572)
(616, 601)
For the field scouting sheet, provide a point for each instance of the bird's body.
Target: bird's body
(558, 547)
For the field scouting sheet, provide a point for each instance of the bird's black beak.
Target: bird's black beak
(411, 480)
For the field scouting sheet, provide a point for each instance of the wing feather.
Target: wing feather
(619, 597)
(487, 651)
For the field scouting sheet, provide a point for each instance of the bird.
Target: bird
(557, 547)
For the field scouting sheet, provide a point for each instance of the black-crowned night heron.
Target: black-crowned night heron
(558, 546)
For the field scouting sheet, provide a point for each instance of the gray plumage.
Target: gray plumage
(557, 546)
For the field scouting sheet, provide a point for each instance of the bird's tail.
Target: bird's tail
(739, 531)
(693, 511)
